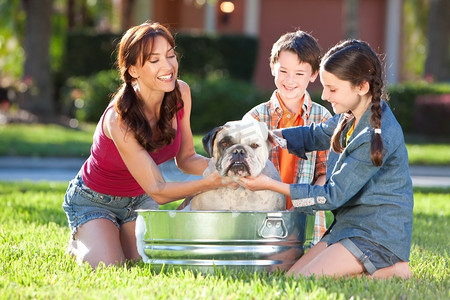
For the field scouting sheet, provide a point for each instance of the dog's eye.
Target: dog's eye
(224, 144)
(254, 145)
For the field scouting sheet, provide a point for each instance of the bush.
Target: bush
(403, 97)
(218, 99)
(205, 54)
(430, 115)
(88, 53)
(87, 97)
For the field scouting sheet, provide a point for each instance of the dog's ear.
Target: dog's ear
(208, 140)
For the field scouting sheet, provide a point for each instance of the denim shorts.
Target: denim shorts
(82, 204)
(371, 255)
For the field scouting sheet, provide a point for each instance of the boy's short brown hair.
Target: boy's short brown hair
(301, 43)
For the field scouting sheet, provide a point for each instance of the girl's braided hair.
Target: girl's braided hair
(356, 62)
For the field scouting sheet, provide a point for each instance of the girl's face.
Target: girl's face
(342, 95)
(160, 71)
(291, 76)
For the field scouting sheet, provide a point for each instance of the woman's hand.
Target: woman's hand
(217, 181)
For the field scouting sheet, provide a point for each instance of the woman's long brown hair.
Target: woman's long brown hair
(135, 46)
(356, 62)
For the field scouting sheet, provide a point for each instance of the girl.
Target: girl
(368, 187)
(146, 124)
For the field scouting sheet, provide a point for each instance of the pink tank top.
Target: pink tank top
(105, 172)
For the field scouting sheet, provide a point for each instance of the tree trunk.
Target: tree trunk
(351, 19)
(38, 97)
(437, 65)
(127, 15)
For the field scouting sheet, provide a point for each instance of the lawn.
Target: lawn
(34, 235)
(51, 140)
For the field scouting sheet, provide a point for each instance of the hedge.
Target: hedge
(431, 113)
(232, 55)
(403, 100)
(215, 99)
(412, 113)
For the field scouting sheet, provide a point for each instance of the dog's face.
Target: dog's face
(239, 148)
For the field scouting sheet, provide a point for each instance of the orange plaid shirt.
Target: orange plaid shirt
(305, 171)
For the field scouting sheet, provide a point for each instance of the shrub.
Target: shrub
(88, 53)
(218, 99)
(430, 115)
(204, 54)
(87, 97)
(403, 97)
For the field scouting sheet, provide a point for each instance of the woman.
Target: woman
(368, 187)
(146, 124)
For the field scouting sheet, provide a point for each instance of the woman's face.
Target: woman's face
(341, 94)
(160, 71)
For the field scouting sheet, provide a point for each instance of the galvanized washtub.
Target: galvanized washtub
(206, 241)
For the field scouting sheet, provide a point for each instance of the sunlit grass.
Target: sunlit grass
(429, 154)
(45, 140)
(34, 236)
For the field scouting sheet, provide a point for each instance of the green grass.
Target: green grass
(45, 140)
(33, 263)
(429, 154)
(50, 140)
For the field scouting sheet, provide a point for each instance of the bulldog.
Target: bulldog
(239, 149)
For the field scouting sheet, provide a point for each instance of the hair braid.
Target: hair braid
(336, 145)
(354, 61)
(376, 146)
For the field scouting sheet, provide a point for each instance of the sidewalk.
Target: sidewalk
(64, 169)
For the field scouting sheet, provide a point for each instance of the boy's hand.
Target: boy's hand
(277, 138)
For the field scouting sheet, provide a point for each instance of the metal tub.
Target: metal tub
(206, 241)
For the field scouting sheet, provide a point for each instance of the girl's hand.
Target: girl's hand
(260, 182)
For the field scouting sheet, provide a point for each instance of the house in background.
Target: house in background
(376, 21)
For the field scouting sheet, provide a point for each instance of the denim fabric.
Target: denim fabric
(371, 255)
(372, 202)
(83, 204)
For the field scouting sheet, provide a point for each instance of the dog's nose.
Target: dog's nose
(239, 151)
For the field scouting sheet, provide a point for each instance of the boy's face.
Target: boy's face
(292, 76)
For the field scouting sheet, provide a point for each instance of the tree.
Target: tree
(437, 65)
(127, 15)
(351, 19)
(36, 74)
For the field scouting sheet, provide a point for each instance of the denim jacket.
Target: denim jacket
(372, 202)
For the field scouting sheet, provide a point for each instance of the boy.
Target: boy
(294, 62)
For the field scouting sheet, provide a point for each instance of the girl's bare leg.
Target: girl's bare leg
(334, 260)
(400, 269)
(128, 241)
(97, 241)
(307, 257)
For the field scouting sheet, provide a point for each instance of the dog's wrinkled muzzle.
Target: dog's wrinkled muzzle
(238, 165)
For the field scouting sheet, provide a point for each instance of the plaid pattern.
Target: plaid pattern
(309, 170)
